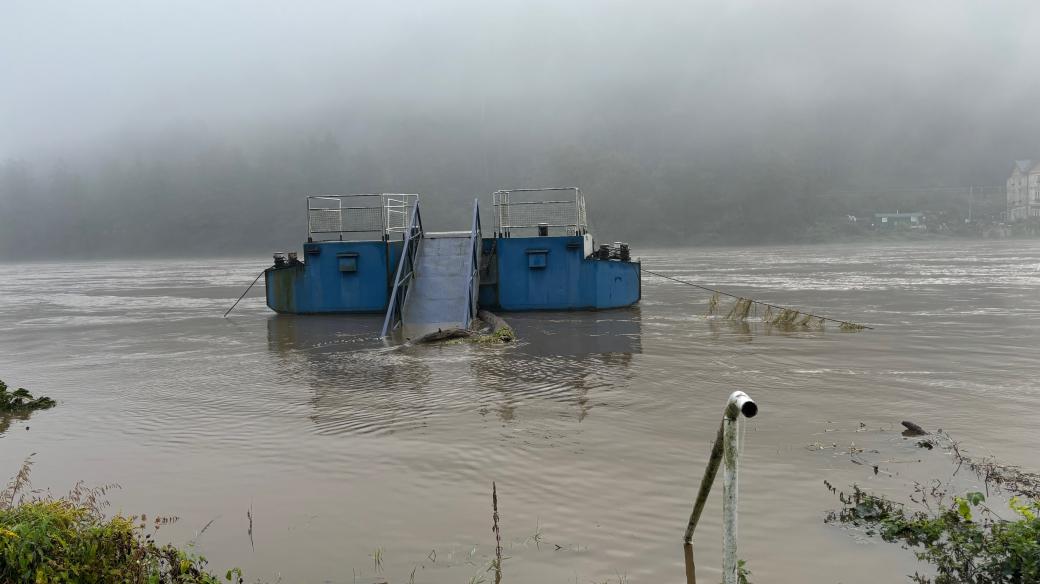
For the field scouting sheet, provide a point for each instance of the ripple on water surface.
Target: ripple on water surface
(595, 426)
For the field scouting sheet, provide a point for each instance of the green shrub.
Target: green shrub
(68, 540)
(963, 538)
(20, 400)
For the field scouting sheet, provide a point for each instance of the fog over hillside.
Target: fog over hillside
(198, 127)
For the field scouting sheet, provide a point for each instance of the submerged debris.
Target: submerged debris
(443, 335)
(20, 400)
(741, 309)
(786, 318)
(768, 314)
(913, 429)
(501, 332)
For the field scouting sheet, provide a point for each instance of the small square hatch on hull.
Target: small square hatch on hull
(347, 261)
(537, 258)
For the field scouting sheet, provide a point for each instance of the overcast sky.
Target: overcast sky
(79, 74)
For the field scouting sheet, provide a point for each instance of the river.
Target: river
(357, 461)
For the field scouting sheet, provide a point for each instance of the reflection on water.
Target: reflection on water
(362, 385)
(595, 426)
(9, 418)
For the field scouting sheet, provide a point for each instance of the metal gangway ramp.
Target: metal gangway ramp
(437, 281)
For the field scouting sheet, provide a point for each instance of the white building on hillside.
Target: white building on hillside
(1023, 190)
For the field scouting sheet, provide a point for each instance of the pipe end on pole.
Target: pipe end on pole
(741, 404)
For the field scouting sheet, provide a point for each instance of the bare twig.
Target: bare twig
(498, 533)
(201, 531)
(249, 516)
(17, 484)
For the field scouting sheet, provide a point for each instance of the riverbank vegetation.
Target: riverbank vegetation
(967, 538)
(69, 540)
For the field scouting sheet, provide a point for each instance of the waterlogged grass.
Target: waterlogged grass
(69, 540)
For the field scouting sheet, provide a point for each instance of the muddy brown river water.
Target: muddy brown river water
(360, 461)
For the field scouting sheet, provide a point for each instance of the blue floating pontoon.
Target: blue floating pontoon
(370, 254)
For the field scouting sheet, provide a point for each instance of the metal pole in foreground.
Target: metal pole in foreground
(739, 403)
(727, 449)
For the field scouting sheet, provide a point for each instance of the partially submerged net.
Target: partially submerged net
(786, 317)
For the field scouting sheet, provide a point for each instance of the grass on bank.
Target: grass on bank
(69, 540)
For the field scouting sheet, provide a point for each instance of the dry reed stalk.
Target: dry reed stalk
(713, 305)
(17, 484)
(249, 516)
(498, 533)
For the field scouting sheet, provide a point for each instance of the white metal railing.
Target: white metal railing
(405, 273)
(727, 450)
(476, 247)
(515, 211)
(331, 217)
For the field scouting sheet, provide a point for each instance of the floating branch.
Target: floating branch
(787, 316)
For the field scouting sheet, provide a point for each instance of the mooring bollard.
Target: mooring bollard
(727, 450)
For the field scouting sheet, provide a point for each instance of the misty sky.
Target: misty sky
(84, 74)
(684, 122)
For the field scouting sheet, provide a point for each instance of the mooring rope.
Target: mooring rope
(752, 300)
(244, 294)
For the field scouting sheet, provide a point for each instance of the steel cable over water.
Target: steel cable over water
(244, 293)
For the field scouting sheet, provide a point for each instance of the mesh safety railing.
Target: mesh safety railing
(331, 217)
(521, 212)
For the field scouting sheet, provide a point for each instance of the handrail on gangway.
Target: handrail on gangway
(405, 272)
(727, 449)
(476, 244)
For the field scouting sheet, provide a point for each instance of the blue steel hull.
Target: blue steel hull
(336, 277)
(523, 274)
(553, 273)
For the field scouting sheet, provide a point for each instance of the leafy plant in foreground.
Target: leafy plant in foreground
(965, 540)
(68, 540)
